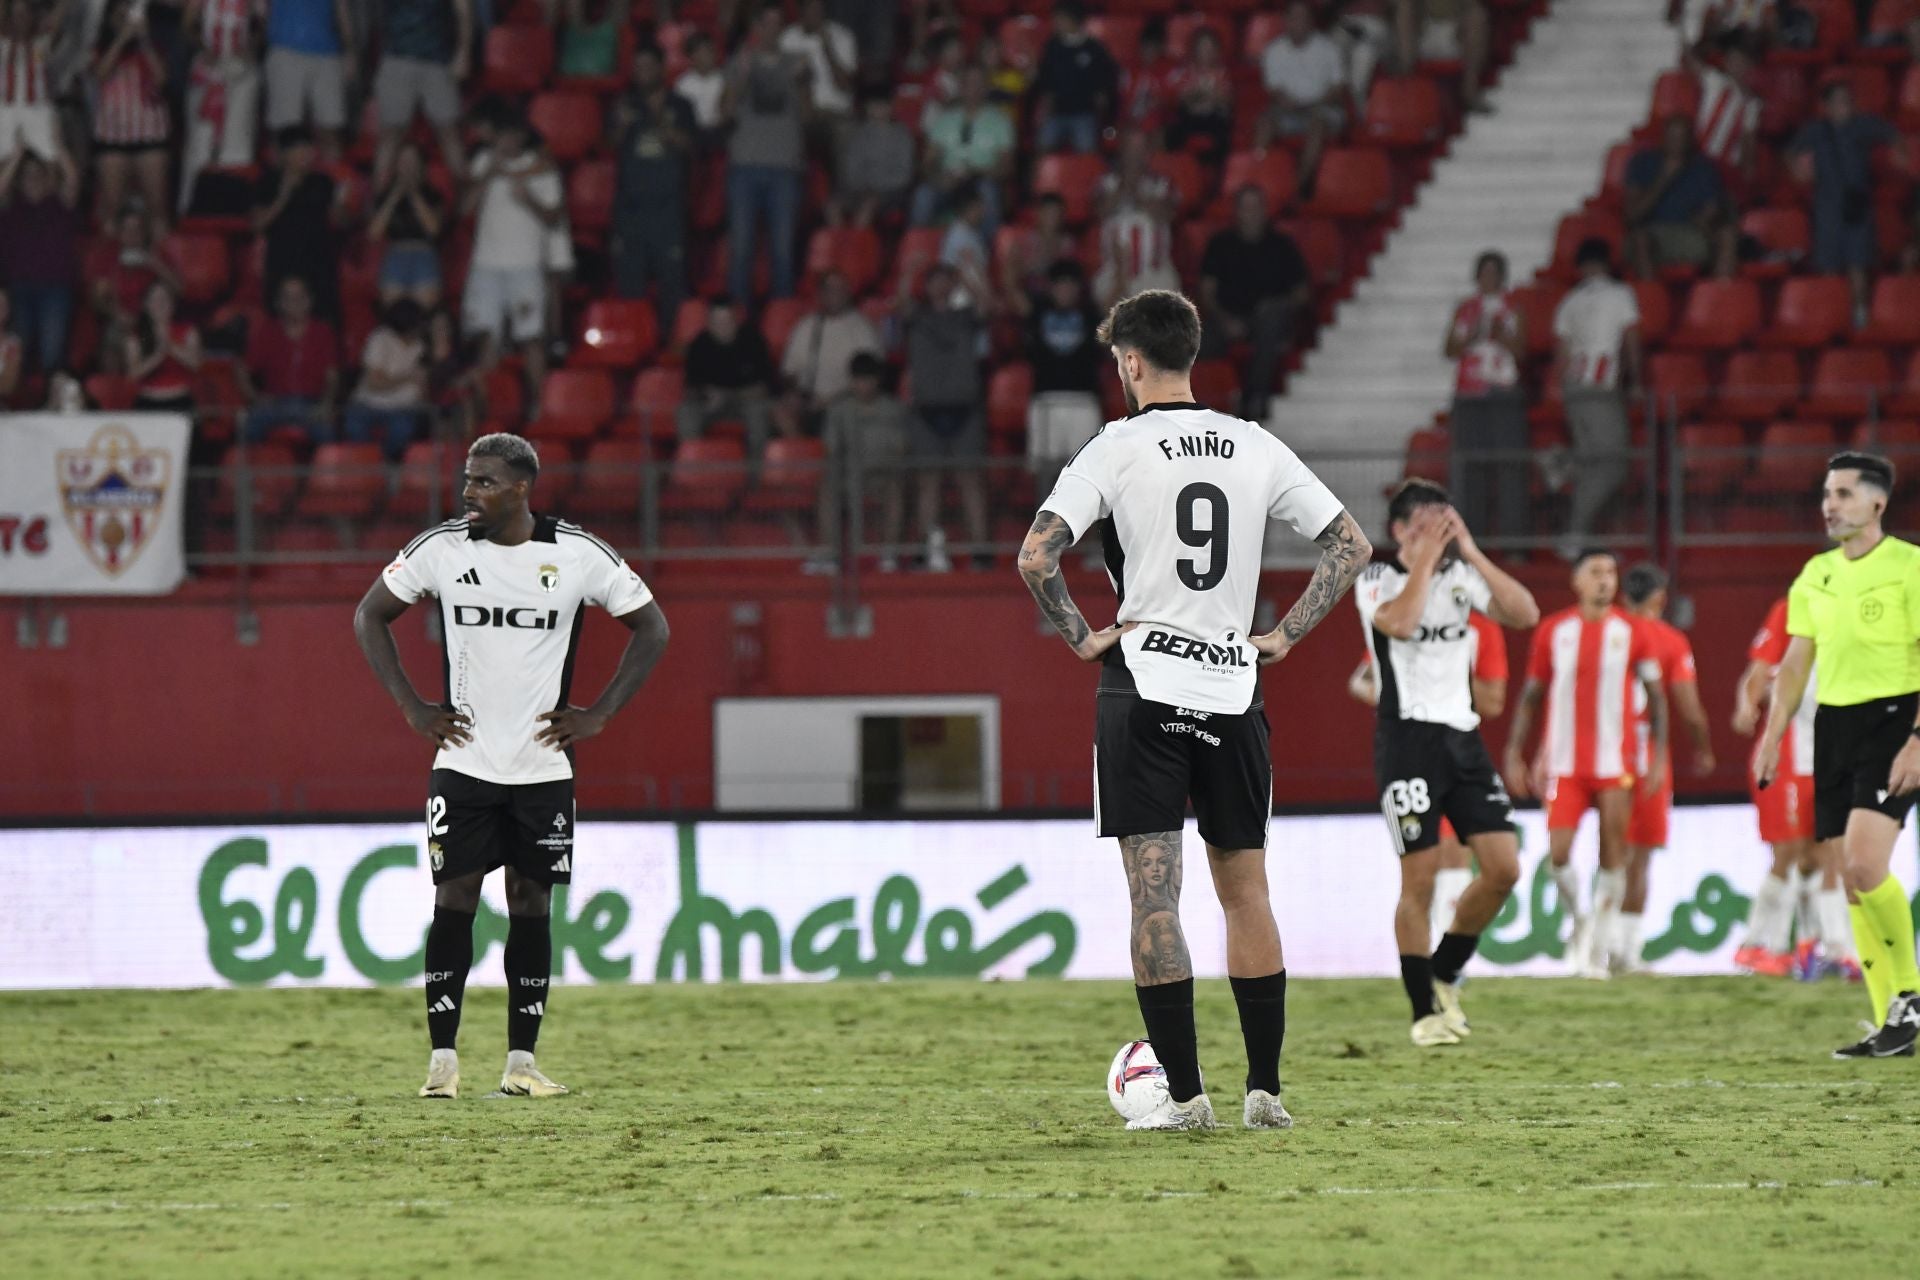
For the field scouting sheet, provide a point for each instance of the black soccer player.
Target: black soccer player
(1416, 610)
(1182, 496)
(513, 589)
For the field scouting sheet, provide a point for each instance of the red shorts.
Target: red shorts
(1447, 833)
(1647, 828)
(1570, 797)
(1786, 808)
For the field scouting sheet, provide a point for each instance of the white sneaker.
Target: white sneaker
(1446, 999)
(523, 1080)
(1264, 1111)
(1580, 944)
(443, 1075)
(1431, 1031)
(1195, 1113)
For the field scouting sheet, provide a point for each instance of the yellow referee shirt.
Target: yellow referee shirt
(1863, 617)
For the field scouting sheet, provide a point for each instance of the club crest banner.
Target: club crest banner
(90, 504)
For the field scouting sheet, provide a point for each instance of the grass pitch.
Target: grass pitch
(1639, 1128)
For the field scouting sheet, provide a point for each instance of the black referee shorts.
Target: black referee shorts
(1853, 751)
(1427, 772)
(473, 825)
(1150, 758)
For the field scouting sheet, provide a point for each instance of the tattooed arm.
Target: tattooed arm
(1344, 552)
(1040, 556)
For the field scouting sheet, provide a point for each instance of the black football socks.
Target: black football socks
(449, 956)
(1451, 956)
(1416, 975)
(1167, 1010)
(529, 964)
(1263, 1025)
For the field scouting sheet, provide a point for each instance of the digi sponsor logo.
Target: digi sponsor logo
(1446, 632)
(522, 619)
(1207, 655)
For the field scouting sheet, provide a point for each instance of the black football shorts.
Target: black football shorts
(1853, 751)
(1150, 758)
(476, 826)
(1427, 772)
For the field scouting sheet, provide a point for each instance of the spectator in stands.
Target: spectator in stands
(969, 144)
(1006, 83)
(1254, 287)
(27, 112)
(1026, 264)
(1146, 85)
(1136, 228)
(589, 45)
(310, 59)
(1131, 183)
(40, 250)
(163, 353)
(1366, 38)
(131, 124)
(821, 346)
(1066, 359)
(1487, 339)
(966, 247)
(1201, 120)
(292, 371)
(223, 89)
(119, 294)
(948, 53)
(1834, 154)
(827, 50)
(654, 128)
(866, 435)
(1446, 31)
(12, 352)
(425, 50)
(729, 377)
(517, 203)
(1306, 82)
(1728, 121)
(1074, 83)
(945, 337)
(1677, 208)
(389, 407)
(872, 24)
(300, 211)
(876, 165)
(408, 218)
(1597, 359)
(704, 85)
(767, 102)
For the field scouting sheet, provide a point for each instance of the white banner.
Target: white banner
(90, 504)
(349, 905)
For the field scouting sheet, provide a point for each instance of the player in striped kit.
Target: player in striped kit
(1586, 663)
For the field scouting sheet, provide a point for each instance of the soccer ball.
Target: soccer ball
(1136, 1083)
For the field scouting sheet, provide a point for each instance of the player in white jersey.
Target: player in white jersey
(513, 590)
(1182, 496)
(1429, 761)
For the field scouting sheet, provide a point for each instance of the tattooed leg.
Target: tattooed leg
(1153, 882)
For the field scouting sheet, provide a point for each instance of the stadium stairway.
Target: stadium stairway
(1576, 87)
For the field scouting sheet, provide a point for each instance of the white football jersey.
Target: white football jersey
(1429, 677)
(1188, 493)
(512, 619)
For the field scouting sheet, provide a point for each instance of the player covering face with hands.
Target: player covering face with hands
(1181, 496)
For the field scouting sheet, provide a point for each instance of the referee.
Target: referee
(1856, 611)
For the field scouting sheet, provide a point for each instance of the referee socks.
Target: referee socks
(449, 956)
(1167, 1009)
(1263, 1026)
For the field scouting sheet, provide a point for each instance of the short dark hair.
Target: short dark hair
(1594, 249)
(719, 300)
(651, 49)
(510, 449)
(1413, 493)
(1065, 269)
(1585, 554)
(1071, 9)
(1832, 87)
(1054, 197)
(1874, 469)
(1162, 326)
(1489, 256)
(1640, 582)
(865, 364)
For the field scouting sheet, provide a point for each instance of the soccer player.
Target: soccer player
(1428, 758)
(1182, 496)
(513, 589)
(1645, 588)
(1856, 610)
(1586, 662)
(1453, 866)
(1785, 810)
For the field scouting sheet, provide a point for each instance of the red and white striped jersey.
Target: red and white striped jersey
(130, 108)
(226, 27)
(1728, 115)
(23, 71)
(1141, 247)
(1485, 364)
(1591, 322)
(1675, 658)
(1770, 646)
(1590, 669)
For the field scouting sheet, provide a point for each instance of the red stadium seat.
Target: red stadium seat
(611, 478)
(1893, 317)
(590, 189)
(110, 392)
(1811, 312)
(1791, 456)
(1872, 96)
(1403, 112)
(778, 321)
(1678, 382)
(1713, 456)
(570, 123)
(1021, 39)
(518, 59)
(272, 477)
(1430, 455)
(1072, 178)
(1675, 93)
(1613, 174)
(1272, 170)
(1849, 382)
(203, 265)
(852, 251)
(1216, 384)
(1574, 228)
(1782, 234)
(1120, 33)
(1907, 108)
(1897, 440)
(1536, 304)
(1320, 243)
(1353, 182)
(1656, 310)
(1181, 28)
(1784, 102)
(1263, 29)
(1718, 314)
(616, 334)
(1009, 391)
(344, 481)
(504, 394)
(574, 404)
(707, 477)
(687, 325)
(1758, 385)
(790, 475)
(428, 483)
(656, 394)
(1905, 399)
